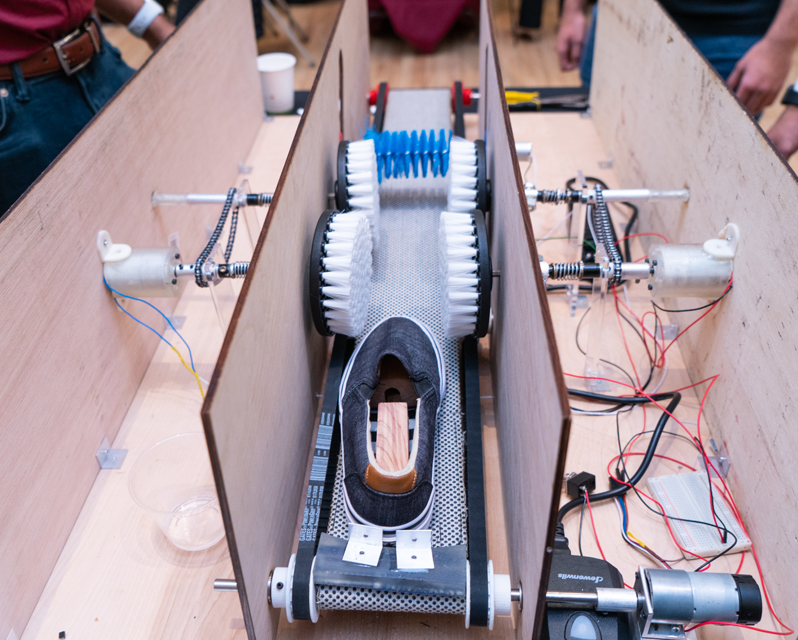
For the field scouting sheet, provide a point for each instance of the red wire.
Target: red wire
(733, 503)
(593, 524)
(637, 235)
(742, 559)
(623, 335)
(717, 302)
(744, 626)
(656, 455)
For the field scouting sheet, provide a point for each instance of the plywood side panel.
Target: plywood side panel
(72, 362)
(668, 121)
(532, 414)
(259, 416)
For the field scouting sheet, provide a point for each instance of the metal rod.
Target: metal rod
(242, 199)
(649, 195)
(572, 597)
(222, 584)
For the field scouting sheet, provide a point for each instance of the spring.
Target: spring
(557, 196)
(238, 269)
(566, 270)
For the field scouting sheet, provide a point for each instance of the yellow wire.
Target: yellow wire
(191, 371)
(516, 97)
(631, 535)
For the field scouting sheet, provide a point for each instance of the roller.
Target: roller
(468, 184)
(340, 272)
(466, 273)
(399, 152)
(357, 187)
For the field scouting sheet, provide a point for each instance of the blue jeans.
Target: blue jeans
(722, 52)
(40, 116)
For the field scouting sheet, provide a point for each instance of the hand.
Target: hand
(784, 134)
(570, 39)
(759, 75)
(158, 31)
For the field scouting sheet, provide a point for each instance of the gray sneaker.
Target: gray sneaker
(388, 480)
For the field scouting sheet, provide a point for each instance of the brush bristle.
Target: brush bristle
(346, 272)
(462, 176)
(362, 183)
(459, 273)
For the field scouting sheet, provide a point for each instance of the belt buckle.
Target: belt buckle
(74, 35)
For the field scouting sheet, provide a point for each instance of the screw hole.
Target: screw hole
(279, 585)
(414, 557)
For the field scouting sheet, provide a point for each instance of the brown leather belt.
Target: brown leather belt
(69, 54)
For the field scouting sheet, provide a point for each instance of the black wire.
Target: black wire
(639, 335)
(628, 230)
(581, 518)
(562, 287)
(725, 293)
(628, 254)
(676, 398)
(660, 513)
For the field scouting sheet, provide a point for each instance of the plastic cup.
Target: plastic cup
(173, 481)
(277, 81)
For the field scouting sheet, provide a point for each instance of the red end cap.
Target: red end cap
(373, 97)
(466, 97)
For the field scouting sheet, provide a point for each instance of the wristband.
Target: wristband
(148, 12)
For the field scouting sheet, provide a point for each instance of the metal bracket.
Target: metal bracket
(364, 546)
(606, 164)
(414, 550)
(720, 461)
(110, 458)
(670, 331)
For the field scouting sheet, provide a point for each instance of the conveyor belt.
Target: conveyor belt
(406, 282)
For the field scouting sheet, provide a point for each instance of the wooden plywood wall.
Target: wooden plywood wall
(532, 414)
(71, 361)
(261, 405)
(668, 121)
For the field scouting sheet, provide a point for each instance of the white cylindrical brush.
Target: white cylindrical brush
(346, 274)
(462, 196)
(362, 184)
(457, 243)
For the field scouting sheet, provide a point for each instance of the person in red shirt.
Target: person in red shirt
(56, 71)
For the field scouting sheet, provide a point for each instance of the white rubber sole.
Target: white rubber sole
(423, 520)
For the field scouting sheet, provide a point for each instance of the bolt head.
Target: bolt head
(675, 629)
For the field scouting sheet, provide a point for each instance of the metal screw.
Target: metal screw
(177, 256)
(415, 539)
(105, 243)
(675, 629)
(413, 557)
(174, 280)
(279, 585)
(365, 535)
(362, 553)
(651, 287)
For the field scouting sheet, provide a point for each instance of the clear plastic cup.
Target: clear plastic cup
(174, 482)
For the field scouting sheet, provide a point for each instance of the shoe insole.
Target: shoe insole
(392, 436)
(395, 383)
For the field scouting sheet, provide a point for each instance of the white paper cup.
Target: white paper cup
(277, 81)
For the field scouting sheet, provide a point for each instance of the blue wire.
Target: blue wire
(190, 355)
